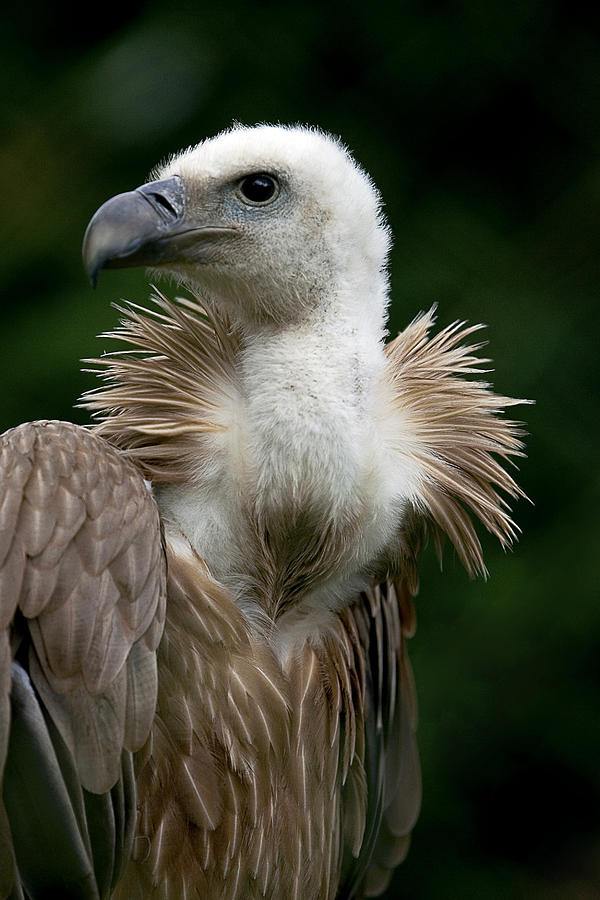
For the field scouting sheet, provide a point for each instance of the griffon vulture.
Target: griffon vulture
(205, 596)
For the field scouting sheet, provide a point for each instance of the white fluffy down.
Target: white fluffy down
(311, 415)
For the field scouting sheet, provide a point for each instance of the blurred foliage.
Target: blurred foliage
(480, 124)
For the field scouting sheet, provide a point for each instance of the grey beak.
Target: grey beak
(136, 228)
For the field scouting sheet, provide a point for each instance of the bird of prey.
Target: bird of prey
(205, 596)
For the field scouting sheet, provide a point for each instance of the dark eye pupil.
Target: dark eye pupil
(258, 188)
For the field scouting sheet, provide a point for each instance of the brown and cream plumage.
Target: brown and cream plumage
(205, 598)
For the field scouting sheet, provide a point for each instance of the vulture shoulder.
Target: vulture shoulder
(82, 605)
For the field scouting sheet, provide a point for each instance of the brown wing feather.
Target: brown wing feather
(382, 619)
(401, 791)
(82, 599)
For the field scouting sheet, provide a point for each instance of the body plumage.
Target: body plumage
(298, 464)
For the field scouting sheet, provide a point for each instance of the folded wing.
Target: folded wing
(82, 606)
(382, 619)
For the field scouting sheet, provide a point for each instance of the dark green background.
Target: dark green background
(480, 124)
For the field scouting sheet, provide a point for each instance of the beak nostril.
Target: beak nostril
(166, 197)
(162, 201)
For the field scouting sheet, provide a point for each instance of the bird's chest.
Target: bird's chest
(241, 794)
(303, 496)
(303, 455)
(278, 507)
(292, 495)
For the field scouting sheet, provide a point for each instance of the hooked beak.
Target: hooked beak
(144, 227)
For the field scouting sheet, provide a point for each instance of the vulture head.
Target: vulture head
(264, 220)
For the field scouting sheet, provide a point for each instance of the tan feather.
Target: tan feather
(164, 395)
(455, 433)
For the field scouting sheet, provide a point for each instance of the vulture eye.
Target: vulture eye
(259, 189)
